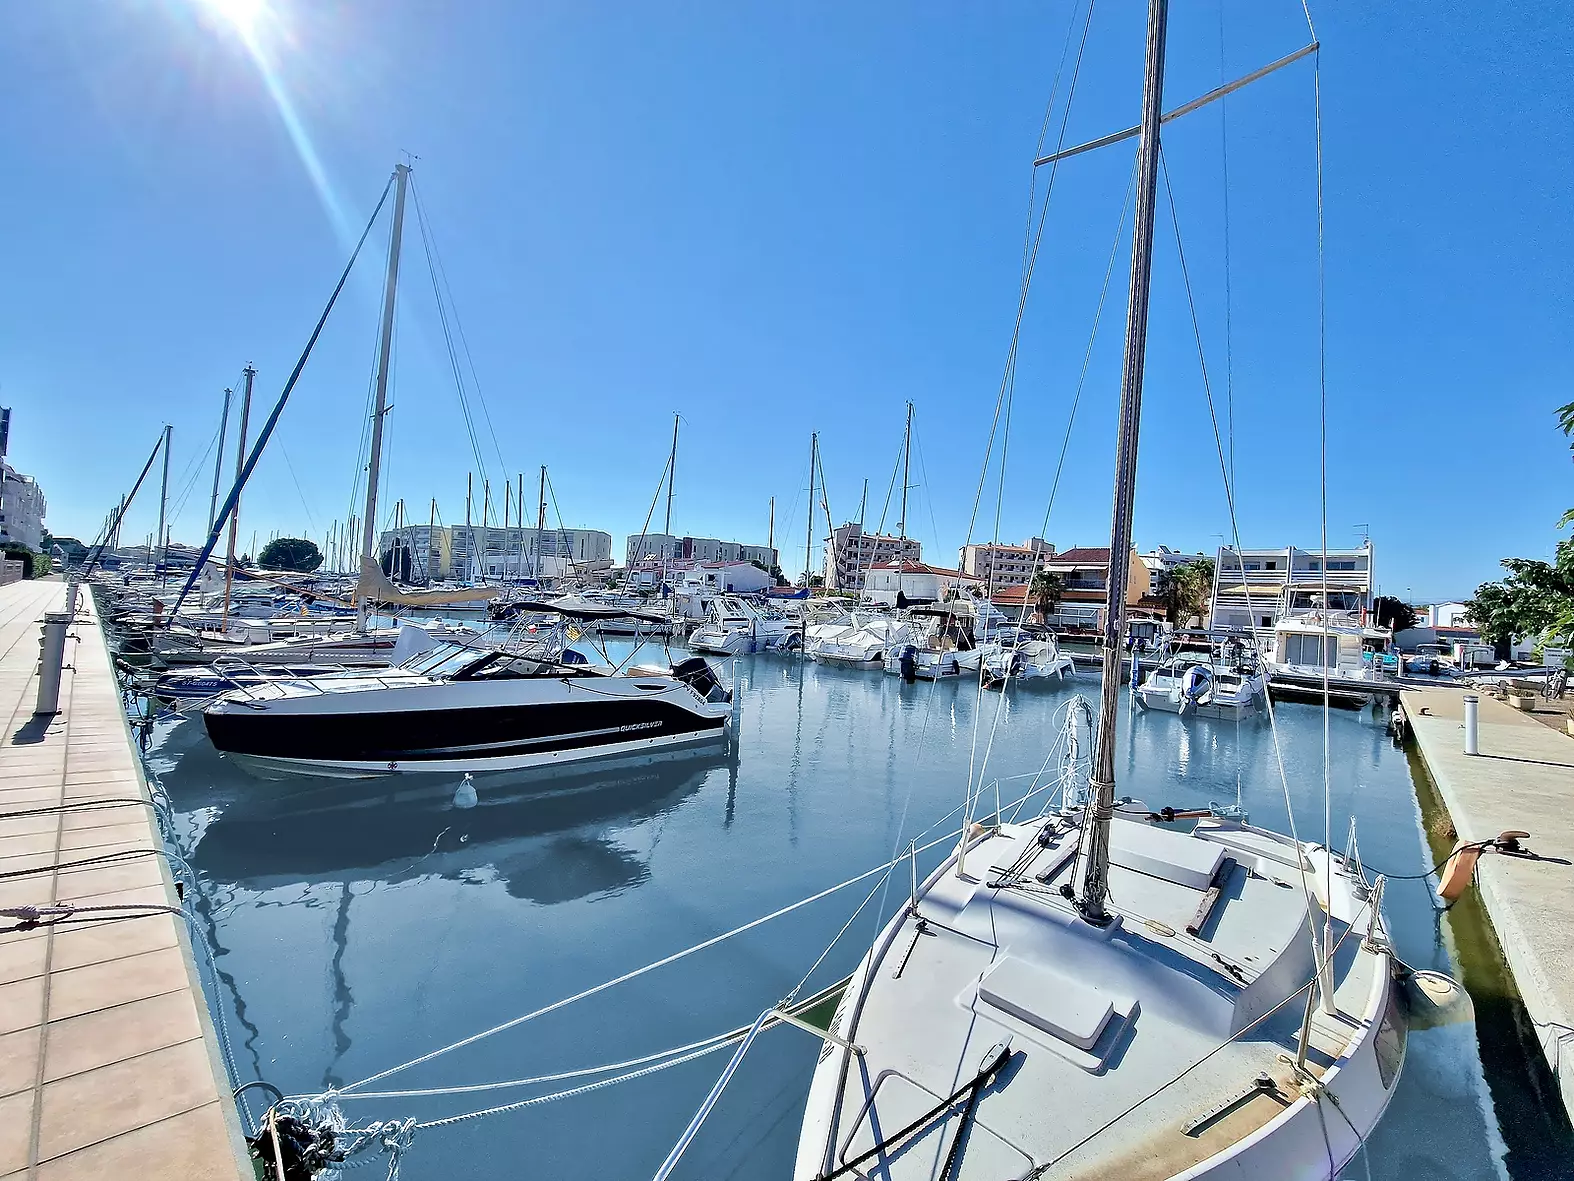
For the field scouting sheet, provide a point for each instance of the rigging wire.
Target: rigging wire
(1008, 378)
(441, 272)
(1229, 497)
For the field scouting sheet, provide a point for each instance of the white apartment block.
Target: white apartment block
(22, 508)
(999, 566)
(851, 553)
(1254, 589)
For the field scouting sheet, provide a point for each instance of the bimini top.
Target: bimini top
(574, 607)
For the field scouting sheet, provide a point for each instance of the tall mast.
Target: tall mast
(541, 519)
(486, 510)
(1095, 881)
(863, 503)
(218, 460)
(384, 354)
(163, 502)
(907, 455)
(431, 540)
(770, 529)
(240, 467)
(666, 529)
(808, 538)
(519, 502)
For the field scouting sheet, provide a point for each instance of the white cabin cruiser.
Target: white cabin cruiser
(1332, 646)
(942, 645)
(737, 627)
(865, 645)
(1035, 659)
(1209, 681)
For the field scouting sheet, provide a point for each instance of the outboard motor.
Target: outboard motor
(909, 663)
(697, 674)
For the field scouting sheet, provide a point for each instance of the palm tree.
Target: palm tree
(1189, 590)
(1045, 590)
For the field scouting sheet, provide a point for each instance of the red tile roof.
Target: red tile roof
(1083, 556)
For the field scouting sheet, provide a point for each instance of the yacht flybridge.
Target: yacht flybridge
(465, 707)
(1095, 994)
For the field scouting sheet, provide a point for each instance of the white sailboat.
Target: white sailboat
(1093, 995)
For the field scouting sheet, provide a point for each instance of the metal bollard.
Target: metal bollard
(50, 661)
(1472, 705)
(71, 597)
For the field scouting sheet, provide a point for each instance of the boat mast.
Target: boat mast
(163, 502)
(666, 529)
(519, 504)
(384, 354)
(907, 454)
(1095, 880)
(808, 539)
(218, 460)
(240, 469)
(541, 520)
(770, 528)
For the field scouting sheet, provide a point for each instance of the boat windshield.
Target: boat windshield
(440, 661)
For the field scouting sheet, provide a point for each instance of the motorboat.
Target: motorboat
(736, 627)
(1224, 680)
(943, 644)
(471, 708)
(1029, 659)
(1328, 651)
(865, 644)
(373, 647)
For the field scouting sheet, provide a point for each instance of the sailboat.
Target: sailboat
(1095, 993)
(469, 706)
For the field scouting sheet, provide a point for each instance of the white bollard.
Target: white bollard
(1472, 705)
(51, 657)
(71, 598)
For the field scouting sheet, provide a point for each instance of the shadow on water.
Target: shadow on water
(1531, 1117)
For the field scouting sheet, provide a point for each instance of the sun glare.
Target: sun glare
(241, 15)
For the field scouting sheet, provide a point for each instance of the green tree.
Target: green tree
(290, 553)
(1536, 598)
(1188, 590)
(1393, 613)
(1045, 589)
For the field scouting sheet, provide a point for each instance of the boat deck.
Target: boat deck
(108, 1063)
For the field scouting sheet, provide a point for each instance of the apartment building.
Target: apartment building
(659, 547)
(1255, 588)
(997, 565)
(850, 554)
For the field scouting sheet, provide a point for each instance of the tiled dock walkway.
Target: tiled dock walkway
(1522, 779)
(108, 1063)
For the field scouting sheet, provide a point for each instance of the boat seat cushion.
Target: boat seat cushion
(1162, 853)
(1058, 1005)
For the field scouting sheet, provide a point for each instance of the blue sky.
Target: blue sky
(783, 218)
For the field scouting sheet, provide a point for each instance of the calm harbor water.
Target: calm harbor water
(357, 926)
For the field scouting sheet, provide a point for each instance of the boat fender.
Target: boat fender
(465, 796)
(1432, 999)
(1458, 872)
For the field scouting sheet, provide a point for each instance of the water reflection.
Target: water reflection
(544, 836)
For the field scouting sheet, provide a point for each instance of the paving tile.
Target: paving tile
(129, 874)
(114, 1035)
(79, 945)
(18, 1060)
(115, 982)
(21, 1003)
(21, 958)
(112, 1100)
(16, 1130)
(134, 834)
(192, 1146)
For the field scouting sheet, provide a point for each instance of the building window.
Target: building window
(1267, 620)
(1271, 566)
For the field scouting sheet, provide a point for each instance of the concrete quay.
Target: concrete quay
(109, 1065)
(1522, 779)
